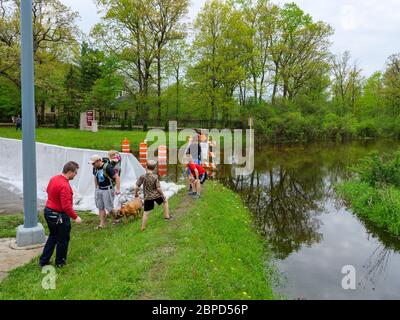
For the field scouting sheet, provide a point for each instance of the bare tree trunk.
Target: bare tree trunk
(285, 88)
(255, 87)
(261, 87)
(241, 101)
(158, 88)
(177, 93)
(276, 79)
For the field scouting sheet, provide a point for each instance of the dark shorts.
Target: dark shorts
(203, 178)
(149, 204)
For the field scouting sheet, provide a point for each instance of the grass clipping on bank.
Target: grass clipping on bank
(375, 191)
(210, 250)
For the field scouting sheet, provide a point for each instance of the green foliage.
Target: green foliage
(145, 127)
(76, 122)
(65, 123)
(367, 129)
(380, 170)
(123, 124)
(379, 205)
(90, 67)
(57, 123)
(10, 99)
(375, 193)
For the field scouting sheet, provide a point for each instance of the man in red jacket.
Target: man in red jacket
(58, 213)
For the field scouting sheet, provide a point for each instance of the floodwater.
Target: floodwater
(311, 233)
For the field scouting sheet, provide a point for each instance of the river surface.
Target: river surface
(310, 231)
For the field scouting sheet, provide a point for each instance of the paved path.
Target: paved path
(11, 258)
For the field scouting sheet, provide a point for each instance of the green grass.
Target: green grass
(9, 223)
(374, 193)
(102, 140)
(74, 138)
(210, 250)
(380, 205)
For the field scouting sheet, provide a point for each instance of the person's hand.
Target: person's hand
(78, 220)
(117, 192)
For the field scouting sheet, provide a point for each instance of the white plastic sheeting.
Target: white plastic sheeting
(50, 160)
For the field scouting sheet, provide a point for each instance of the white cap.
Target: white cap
(94, 158)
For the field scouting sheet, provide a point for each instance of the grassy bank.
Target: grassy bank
(208, 251)
(380, 206)
(74, 138)
(102, 140)
(374, 193)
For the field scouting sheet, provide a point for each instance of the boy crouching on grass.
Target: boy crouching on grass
(197, 177)
(152, 193)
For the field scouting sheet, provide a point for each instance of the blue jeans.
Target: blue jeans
(58, 239)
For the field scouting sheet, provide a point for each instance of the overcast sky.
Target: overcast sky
(369, 29)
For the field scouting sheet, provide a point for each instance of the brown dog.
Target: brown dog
(132, 208)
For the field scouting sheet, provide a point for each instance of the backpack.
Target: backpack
(115, 166)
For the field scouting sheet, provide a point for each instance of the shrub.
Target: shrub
(380, 170)
(381, 206)
(331, 125)
(367, 129)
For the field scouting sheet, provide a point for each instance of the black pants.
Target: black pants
(58, 238)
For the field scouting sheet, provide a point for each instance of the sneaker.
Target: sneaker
(196, 196)
(191, 193)
(61, 265)
(170, 218)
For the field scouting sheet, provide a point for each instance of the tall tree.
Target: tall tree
(221, 49)
(261, 17)
(90, 61)
(164, 19)
(372, 100)
(176, 63)
(346, 86)
(392, 83)
(54, 30)
(302, 50)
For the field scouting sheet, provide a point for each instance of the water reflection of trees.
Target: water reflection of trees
(285, 204)
(287, 189)
(377, 264)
